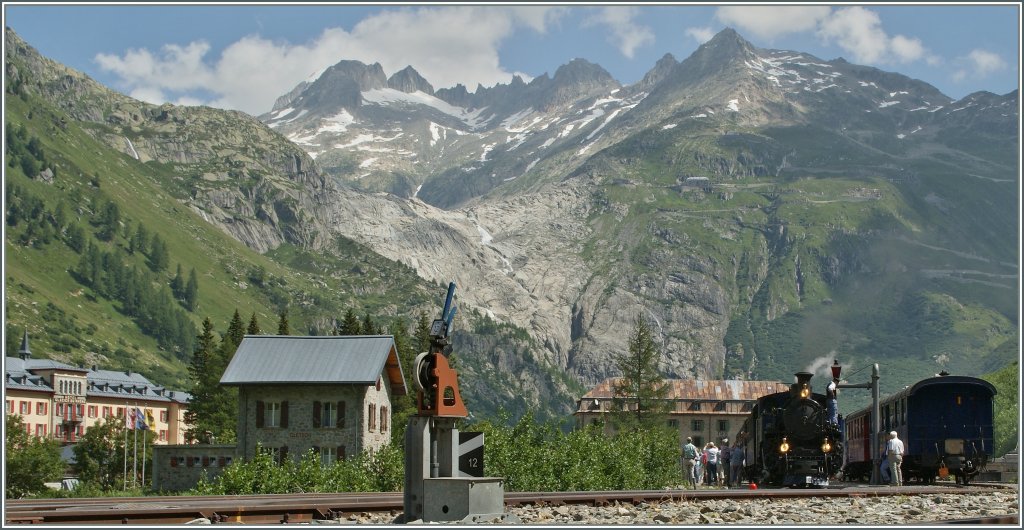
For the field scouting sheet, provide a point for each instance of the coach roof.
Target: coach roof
(289, 359)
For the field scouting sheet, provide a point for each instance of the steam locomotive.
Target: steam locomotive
(788, 440)
(945, 423)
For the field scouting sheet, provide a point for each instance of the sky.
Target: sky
(244, 56)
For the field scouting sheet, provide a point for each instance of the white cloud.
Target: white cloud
(859, 32)
(978, 64)
(626, 34)
(769, 22)
(701, 35)
(447, 45)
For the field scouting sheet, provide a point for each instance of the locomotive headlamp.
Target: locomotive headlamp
(784, 448)
(826, 447)
(804, 392)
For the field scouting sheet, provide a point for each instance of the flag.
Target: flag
(150, 422)
(130, 419)
(140, 420)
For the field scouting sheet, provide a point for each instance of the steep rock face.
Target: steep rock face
(409, 80)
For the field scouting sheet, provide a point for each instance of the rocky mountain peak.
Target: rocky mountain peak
(408, 80)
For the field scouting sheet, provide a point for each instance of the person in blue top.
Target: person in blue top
(832, 393)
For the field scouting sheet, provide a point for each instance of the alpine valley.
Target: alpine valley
(766, 210)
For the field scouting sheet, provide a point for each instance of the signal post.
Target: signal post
(437, 488)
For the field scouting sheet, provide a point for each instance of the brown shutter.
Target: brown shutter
(220, 461)
(316, 414)
(206, 461)
(284, 414)
(284, 454)
(189, 461)
(341, 452)
(341, 415)
(174, 461)
(259, 414)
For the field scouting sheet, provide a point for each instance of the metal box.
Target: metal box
(456, 498)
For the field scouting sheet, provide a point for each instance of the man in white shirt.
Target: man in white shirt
(894, 450)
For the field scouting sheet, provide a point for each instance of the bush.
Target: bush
(530, 456)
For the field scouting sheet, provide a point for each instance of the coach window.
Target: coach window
(903, 418)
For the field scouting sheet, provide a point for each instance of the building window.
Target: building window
(92, 411)
(80, 430)
(723, 425)
(58, 430)
(163, 435)
(106, 412)
(163, 416)
(58, 410)
(329, 415)
(40, 429)
(697, 425)
(80, 410)
(328, 455)
(674, 424)
(25, 408)
(371, 417)
(383, 419)
(41, 408)
(698, 441)
(10, 406)
(272, 414)
(120, 412)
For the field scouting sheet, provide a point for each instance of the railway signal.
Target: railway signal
(443, 467)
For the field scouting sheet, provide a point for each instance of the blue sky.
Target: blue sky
(245, 56)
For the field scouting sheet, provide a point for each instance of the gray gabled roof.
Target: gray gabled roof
(289, 359)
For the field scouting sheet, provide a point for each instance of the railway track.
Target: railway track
(304, 508)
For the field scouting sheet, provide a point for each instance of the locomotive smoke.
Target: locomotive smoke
(821, 367)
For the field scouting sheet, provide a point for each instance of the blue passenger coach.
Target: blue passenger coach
(945, 423)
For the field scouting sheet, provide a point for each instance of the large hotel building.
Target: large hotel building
(60, 401)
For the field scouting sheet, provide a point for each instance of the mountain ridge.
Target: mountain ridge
(568, 222)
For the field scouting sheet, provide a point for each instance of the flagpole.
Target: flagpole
(144, 436)
(126, 445)
(135, 450)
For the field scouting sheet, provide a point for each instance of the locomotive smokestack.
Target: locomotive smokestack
(802, 387)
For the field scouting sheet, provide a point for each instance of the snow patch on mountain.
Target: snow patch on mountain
(669, 126)
(390, 96)
(338, 123)
(734, 105)
(367, 163)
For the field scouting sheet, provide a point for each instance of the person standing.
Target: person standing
(690, 462)
(736, 463)
(832, 393)
(894, 450)
(723, 468)
(711, 452)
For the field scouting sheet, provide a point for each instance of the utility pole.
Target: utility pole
(876, 423)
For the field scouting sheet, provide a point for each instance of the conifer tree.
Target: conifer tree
(199, 414)
(642, 392)
(233, 337)
(349, 324)
(282, 324)
(369, 327)
(191, 294)
(178, 284)
(422, 333)
(158, 254)
(254, 327)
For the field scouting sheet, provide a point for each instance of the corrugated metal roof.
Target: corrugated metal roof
(289, 359)
(713, 390)
(17, 363)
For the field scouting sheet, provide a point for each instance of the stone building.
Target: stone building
(57, 400)
(328, 394)
(707, 411)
